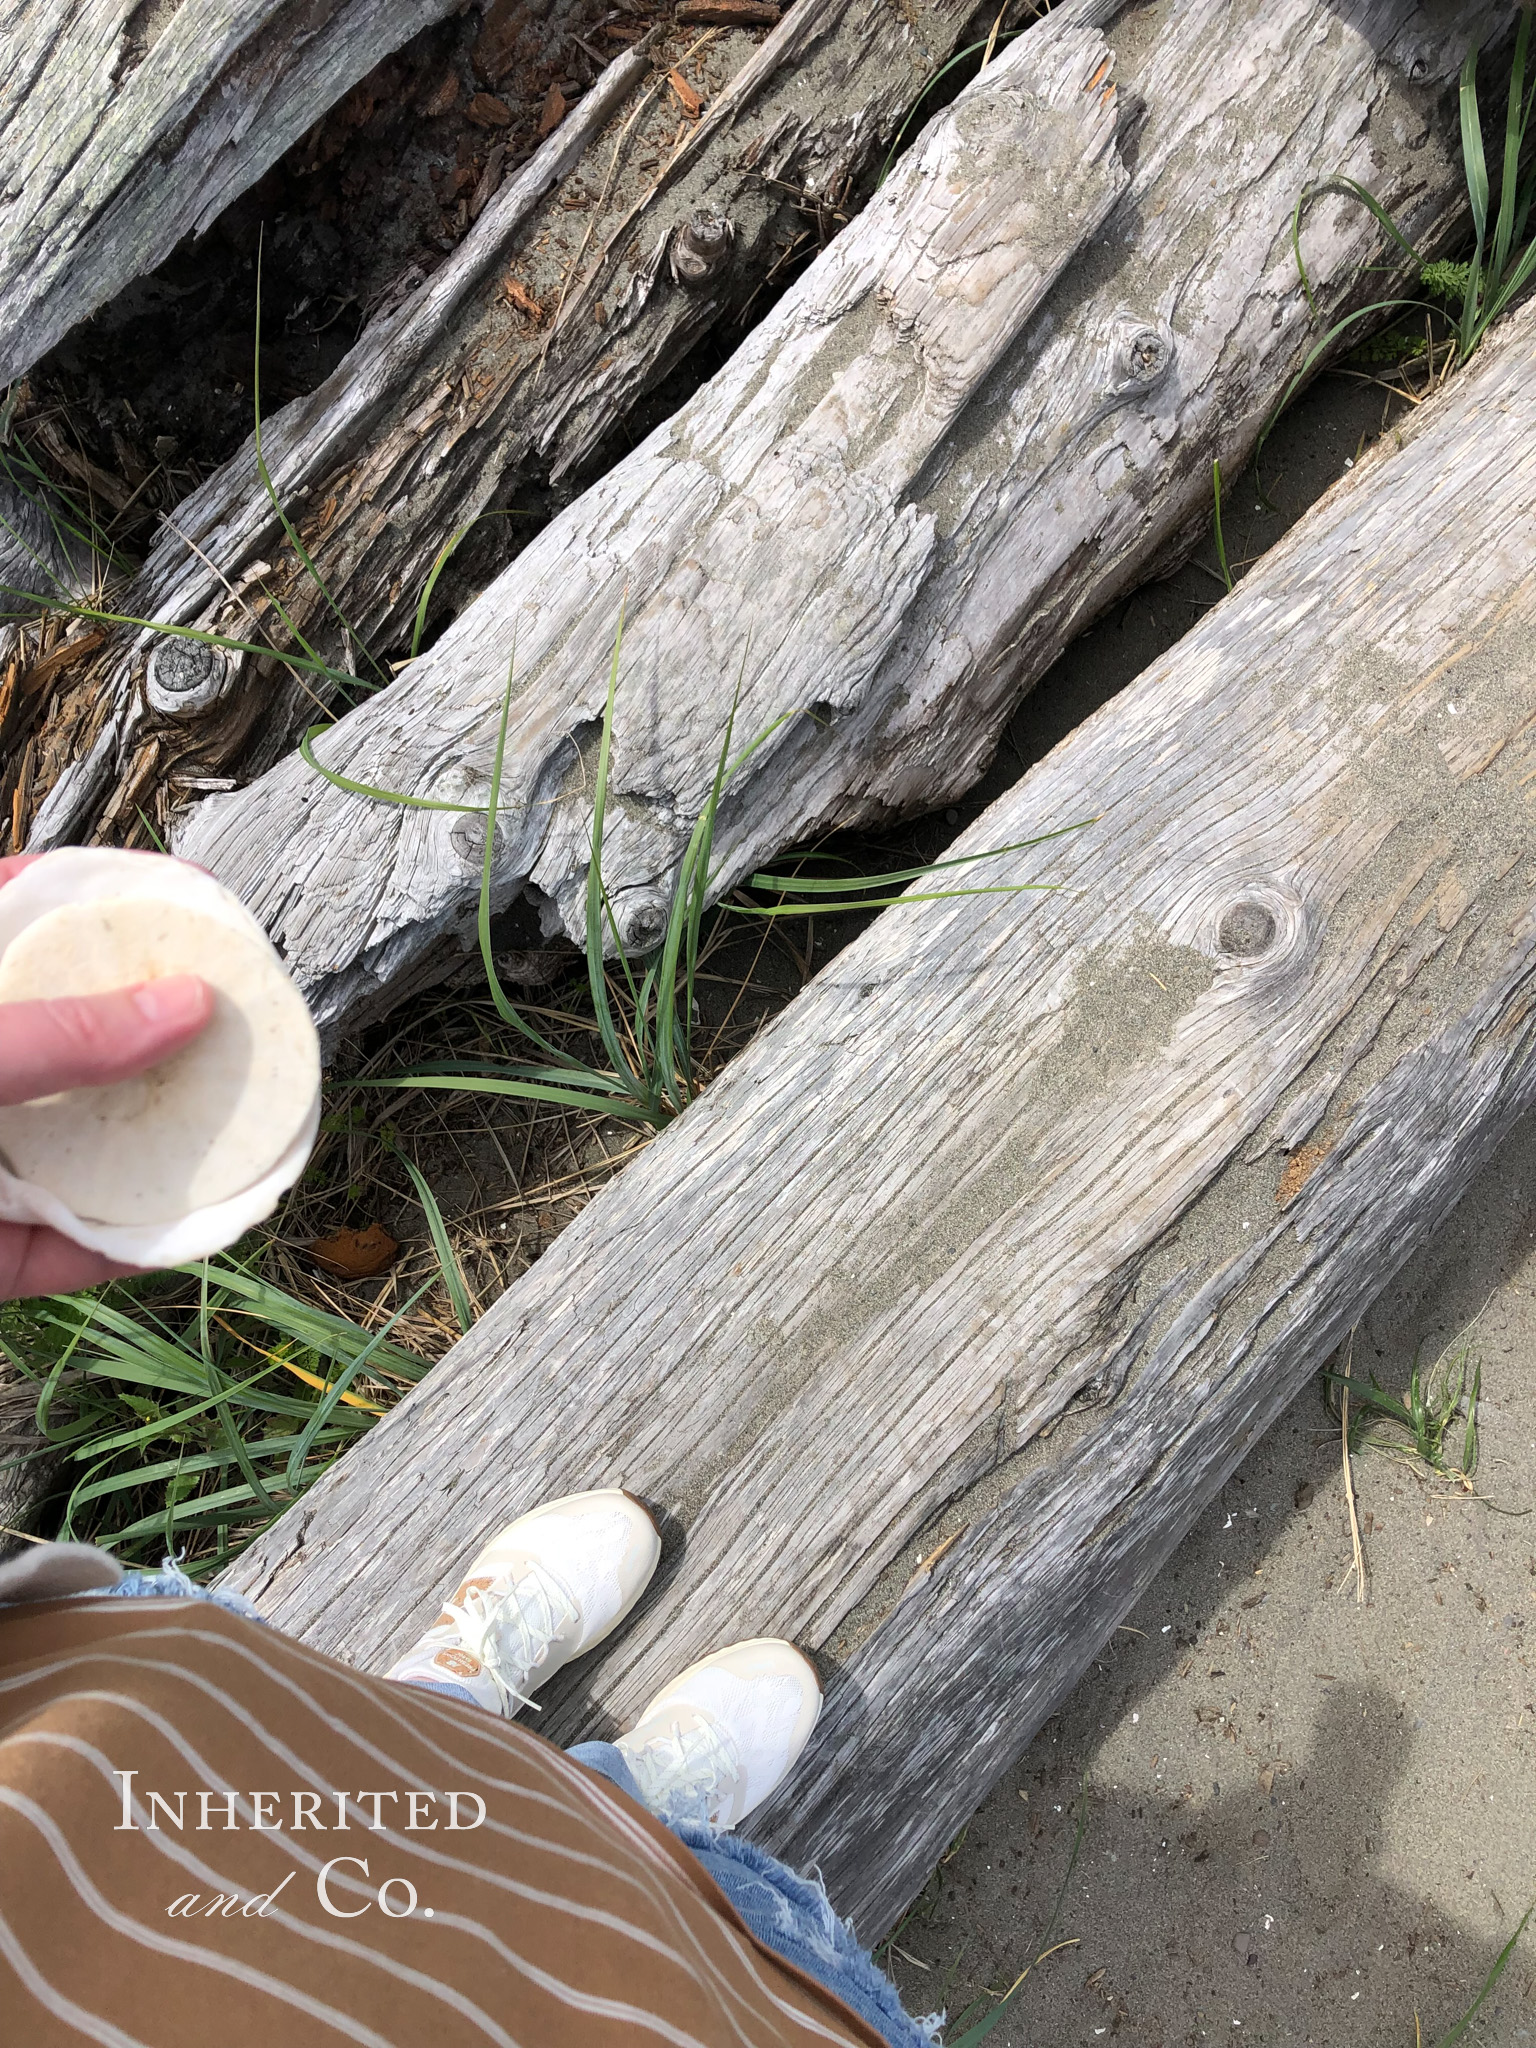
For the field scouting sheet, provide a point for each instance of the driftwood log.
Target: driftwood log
(914, 482)
(936, 1321)
(591, 274)
(125, 128)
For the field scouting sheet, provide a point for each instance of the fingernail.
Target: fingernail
(177, 999)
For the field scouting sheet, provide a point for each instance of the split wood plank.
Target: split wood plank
(124, 128)
(1007, 1239)
(589, 277)
(888, 542)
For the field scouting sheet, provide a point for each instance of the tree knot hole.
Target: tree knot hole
(701, 246)
(186, 676)
(467, 838)
(1247, 929)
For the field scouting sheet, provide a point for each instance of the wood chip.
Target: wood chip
(43, 672)
(490, 181)
(687, 98)
(523, 299)
(495, 48)
(727, 14)
(444, 96)
(355, 1254)
(486, 111)
(552, 113)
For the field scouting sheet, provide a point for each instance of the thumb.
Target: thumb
(87, 1041)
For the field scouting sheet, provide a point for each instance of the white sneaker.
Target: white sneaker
(715, 1742)
(546, 1589)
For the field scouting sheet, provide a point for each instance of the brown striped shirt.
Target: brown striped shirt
(212, 1837)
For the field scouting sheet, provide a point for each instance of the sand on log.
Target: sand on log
(932, 1326)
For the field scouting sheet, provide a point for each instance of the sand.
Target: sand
(1308, 1821)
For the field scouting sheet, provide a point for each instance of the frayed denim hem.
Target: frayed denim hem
(794, 1916)
(171, 1582)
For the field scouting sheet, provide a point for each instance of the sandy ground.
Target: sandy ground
(1308, 1821)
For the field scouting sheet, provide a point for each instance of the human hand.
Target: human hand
(82, 1042)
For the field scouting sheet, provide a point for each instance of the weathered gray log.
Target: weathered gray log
(891, 541)
(590, 275)
(125, 127)
(1002, 1244)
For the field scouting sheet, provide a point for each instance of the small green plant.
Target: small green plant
(1436, 1402)
(1470, 295)
(644, 1009)
(974, 2035)
(190, 1424)
(1500, 1963)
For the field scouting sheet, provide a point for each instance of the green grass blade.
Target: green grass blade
(1511, 288)
(1301, 268)
(1221, 546)
(199, 1462)
(381, 796)
(598, 908)
(96, 616)
(330, 1335)
(1319, 349)
(331, 1398)
(623, 1105)
(1492, 1978)
(1371, 1397)
(812, 886)
(684, 924)
(592, 1081)
(56, 500)
(970, 50)
(241, 1456)
(176, 1418)
(1472, 148)
(505, 1009)
(862, 903)
(453, 1275)
(974, 2036)
(1514, 135)
(1469, 1444)
(440, 562)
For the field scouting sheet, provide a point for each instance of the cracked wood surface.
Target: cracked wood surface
(913, 577)
(124, 127)
(513, 360)
(1003, 1243)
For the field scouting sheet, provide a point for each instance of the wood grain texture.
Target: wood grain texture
(1027, 1216)
(929, 568)
(513, 361)
(124, 127)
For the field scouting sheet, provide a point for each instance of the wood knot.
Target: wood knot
(1143, 357)
(184, 677)
(1246, 930)
(644, 927)
(467, 838)
(701, 247)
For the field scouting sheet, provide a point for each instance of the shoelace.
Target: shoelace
(510, 1632)
(679, 1775)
